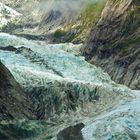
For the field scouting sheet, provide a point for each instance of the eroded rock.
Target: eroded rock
(71, 133)
(113, 43)
(13, 101)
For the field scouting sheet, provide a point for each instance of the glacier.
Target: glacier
(66, 90)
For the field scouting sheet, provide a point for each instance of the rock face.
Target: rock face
(114, 42)
(71, 133)
(13, 102)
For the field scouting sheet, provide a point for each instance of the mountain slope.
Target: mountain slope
(114, 42)
(7, 15)
(55, 23)
(13, 102)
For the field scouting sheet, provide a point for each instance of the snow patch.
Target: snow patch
(7, 14)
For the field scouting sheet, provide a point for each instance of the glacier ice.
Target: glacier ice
(66, 88)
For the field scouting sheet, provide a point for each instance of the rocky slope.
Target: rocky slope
(13, 101)
(52, 21)
(114, 42)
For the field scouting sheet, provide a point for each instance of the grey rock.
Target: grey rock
(113, 43)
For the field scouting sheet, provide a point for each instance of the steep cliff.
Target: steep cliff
(114, 42)
(13, 102)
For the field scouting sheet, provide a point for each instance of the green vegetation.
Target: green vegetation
(131, 36)
(129, 43)
(89, 16)
(63, 35)
(91, 13)
(59, 33)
